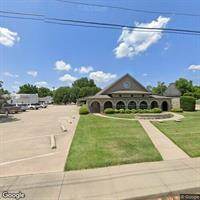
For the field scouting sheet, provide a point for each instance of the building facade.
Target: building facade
(127, 92)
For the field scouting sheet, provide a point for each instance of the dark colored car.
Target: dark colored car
(9, 109)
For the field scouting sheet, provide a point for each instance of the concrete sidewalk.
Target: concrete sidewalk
(164, 145)
(143, 181)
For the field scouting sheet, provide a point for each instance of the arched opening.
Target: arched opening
(95, 107)
(143, 105)
(164, 106)
(154, 104)
(132, 105)
(108, 104)
(120, 105)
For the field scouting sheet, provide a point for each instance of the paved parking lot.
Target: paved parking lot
(25, 140)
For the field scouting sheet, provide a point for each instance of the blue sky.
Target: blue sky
(56, 55)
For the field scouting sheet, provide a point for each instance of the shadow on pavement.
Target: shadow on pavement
(6, 119)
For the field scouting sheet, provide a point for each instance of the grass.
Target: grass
(186, 134)
(100, 142)
(122, 115)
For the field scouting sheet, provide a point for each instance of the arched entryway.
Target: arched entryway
(120, 105)
(143, 105)
(95, 107)
(108, 104)
(132, 105)
(154, 104)
(164, 106)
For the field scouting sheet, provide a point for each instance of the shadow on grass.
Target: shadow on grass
(9, 118)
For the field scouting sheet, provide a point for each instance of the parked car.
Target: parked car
(43, 105)
(9, 109)
(33, 106)
(23, 107)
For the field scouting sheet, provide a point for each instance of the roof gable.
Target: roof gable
(172, 91)
(125, 83)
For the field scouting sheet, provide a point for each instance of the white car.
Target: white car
(33, 106)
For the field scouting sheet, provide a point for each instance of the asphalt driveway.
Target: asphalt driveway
(25, 140)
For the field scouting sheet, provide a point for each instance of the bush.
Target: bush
(187, 103)
(83, 110)
(121, 111)
(176, 110)
(128, 111)
(156, 110)
(134, 111)
(116, 111)
(109, 111)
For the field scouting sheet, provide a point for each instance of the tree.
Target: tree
(3, 99)
(2, 90)
(84, 82)
(62, 95)
(43, 92)
(28, 89)
(196, 92)
(159, 89)
(184, 85)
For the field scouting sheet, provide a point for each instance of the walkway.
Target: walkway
(164, 145)
(145, 181)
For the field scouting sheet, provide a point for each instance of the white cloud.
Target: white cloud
(68, 79)
(7, 37)
(84, 69)
(145, 74)
(167, 46)
(60, 65)
(101, 77)
(194, 67)
(10, 75)
(41, 84)
(32, 73)
(136, 41)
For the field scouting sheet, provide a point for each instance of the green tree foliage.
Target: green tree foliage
(61, 95)
(184, 85)
(2, 90)
(83, 82)
(43, 92)
(159, 89)
(28, 89)
(82, 87)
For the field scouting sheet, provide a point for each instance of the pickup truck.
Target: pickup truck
(9, 109)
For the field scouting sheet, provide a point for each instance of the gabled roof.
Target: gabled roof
(172, 91)
(140, 87)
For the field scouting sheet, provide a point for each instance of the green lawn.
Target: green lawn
(100, 142)
(122, 115)
(186, 134)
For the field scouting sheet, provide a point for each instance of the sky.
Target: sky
(53, 55)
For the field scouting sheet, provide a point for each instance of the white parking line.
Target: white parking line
(30, 138)
(30, 158)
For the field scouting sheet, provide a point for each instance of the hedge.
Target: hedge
(176, 110)
(187, 103)
(109, 111)
(83, 110)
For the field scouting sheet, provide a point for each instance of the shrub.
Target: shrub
(116, 111)
(134, 111)
(109, 111)
(187, 103)
(128, 111)
(121, 111)
(83, 110)
(176, 110)
(156, 110)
